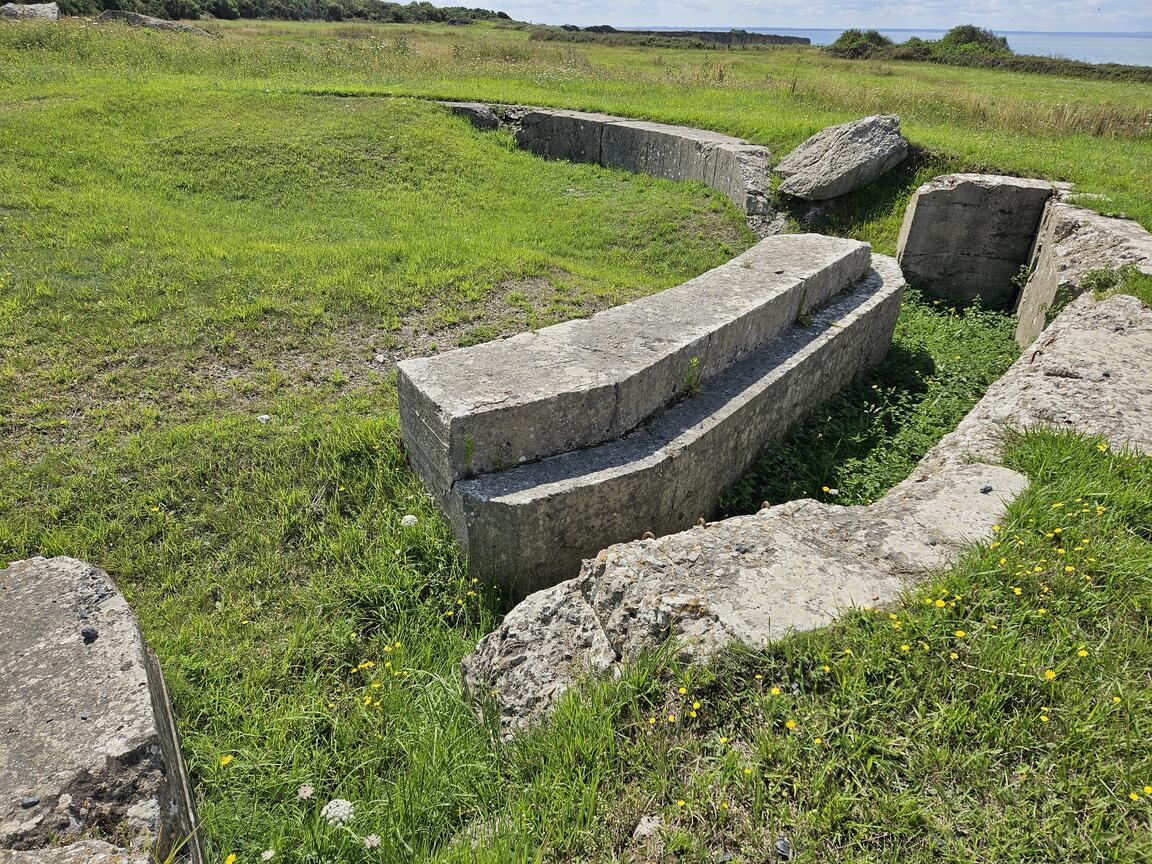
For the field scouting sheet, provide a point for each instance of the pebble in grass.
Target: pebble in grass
(409, 521)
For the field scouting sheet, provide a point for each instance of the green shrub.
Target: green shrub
(859, 44)
(968, 38)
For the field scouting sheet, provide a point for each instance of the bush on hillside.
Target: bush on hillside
(859, 44)
(292, 10)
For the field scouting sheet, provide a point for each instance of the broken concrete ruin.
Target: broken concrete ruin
(968, 236)
(90, 745)
(546, 447)
(796, 566)
(1071, 243)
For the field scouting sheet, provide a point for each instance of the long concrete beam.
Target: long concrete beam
(578, 384)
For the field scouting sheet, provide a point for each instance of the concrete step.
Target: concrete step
(574, 385)
(530, 527)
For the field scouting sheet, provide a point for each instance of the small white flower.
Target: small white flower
(305, 792)
(267, 854)
(338, 812)
(409, 520)
(372, 841)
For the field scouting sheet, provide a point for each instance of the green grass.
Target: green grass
(198, 233)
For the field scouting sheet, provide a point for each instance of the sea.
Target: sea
(1130, 48)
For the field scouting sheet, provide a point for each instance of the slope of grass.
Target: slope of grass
(209, 262)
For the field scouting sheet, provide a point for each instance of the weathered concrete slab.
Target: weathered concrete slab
(30, 11)
(497, 405)
(840, 159)
(477, 113)
(794, 567)
(84, 852)
(968, 235)
(89, 745)
(135, 19)
(531, 526)
(1073, 241)
(733, 166)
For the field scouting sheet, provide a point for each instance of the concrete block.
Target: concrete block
(530, 527)
(840, 159)
(477, 113)
(581, 383)
(90, 746)
(968, 235)
(1073, 241)
(731, 165)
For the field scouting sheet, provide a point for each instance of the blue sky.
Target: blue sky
(1067, 15)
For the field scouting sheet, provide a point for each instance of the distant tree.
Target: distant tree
(969, 37)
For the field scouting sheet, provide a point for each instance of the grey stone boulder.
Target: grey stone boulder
(84, 852)
(477, 113)
(90, 746)
(135, 19)
(795, 567)
(30, 11)
(968, 236)
(1072, 242)
(843, 158)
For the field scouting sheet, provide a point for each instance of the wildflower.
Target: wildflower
(940, 604)
(651, 721)
(1081, 653)
(226, 760)
(790, 724)
(1043, 718)
(696, 705)
(825, 489)
(372, 841)
(671, 718)
(338, 812)
(1017, 591)
(1115, 698)
(905, 648)
(409, 520)
(747, 770)
(953, 656)
(724, 805)
(819, 740)
(267, 854)
(682, 691)
(1131, 795)
(1103, 448)
(305, 792)
(775, 691)
(231, 858)
(1148, 790)
(723, 740)
(826, 668)
(960, 634)
(1049, 674)
(680, 802)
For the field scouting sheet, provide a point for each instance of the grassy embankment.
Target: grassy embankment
(191, 236)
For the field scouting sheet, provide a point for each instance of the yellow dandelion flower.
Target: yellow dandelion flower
(759, 677)
(790, 724)
(651, 721)
(680, 802)
(1115, 698)
(826, 668)
(1148, 790)
(939, 604)
(747, 770)
(1043, 718)
(905, 648)
(825, 489)
(775, 691)
(691, 713)
(696, 705)
(226, 760)
(724, 805)
(1017, 591)
(1049, 674)
(682, 691)
(1081, 653)
(231, 858)
(671, 718)
(1133, 796)
(723, 740)
(960, 634)
(953, 656)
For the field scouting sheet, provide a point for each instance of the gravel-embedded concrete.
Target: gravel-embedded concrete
(497, 405)
(794, 567)
(841, 159)
(733, 166)
(968, 235)
(531, 526)
(89, 744)
(1073, 241)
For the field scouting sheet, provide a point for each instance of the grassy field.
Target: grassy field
(210, 258)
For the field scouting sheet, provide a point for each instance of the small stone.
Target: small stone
(89, 635)
(264, 418)
(984, 490)
(380, 358)
(409, 520)
(30, 801)
(842, 158)
(784, 848)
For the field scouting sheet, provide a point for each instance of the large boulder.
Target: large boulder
(843, 158)
(968, 236)
(135, 19)
(794, 567)
(1073, 242)
(30, 11)
(90, 747)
